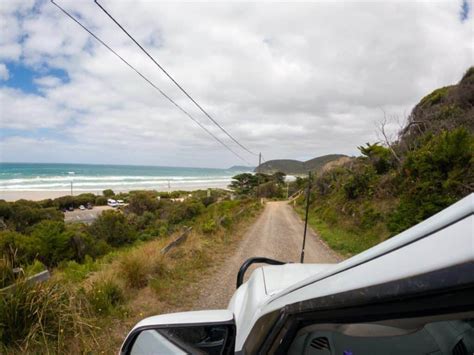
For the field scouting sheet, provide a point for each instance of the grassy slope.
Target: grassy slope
(172, 288)
(429, 177)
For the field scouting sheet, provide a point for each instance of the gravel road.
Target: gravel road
(277, 234)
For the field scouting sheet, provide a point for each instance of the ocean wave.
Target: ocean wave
(100, 185)
(75, 178)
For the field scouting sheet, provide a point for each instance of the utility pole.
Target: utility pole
(71, 173)
(308, 194)
(258, 176)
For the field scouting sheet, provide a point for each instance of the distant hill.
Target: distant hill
(241, 168)
(296, 167)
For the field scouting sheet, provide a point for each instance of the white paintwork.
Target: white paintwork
(280, 277)
(194, 317)
(112, 203)
(272, 287)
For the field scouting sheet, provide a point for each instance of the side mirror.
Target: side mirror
(201, 332)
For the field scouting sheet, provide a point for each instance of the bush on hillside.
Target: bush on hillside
(19, 248)
(379, 156)
(141, 202)
(112, 227)
(54, 242)
(359, 183)
(434, 177)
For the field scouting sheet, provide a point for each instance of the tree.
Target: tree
(141, 202)
(379, 156)
(108, 193)
(54, 242)
(112, 226)
(244, 184)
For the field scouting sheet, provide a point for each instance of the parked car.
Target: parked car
(89, 206)
(413, 293)
(112, 203)
(82, 208)
(71, 208)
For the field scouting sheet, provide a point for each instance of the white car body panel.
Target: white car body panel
(194, 317)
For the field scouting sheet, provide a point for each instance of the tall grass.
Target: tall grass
(142, 264)
(105, 295)
(42, 316)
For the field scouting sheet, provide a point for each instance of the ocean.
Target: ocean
(95, 178)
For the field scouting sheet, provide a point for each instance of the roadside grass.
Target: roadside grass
(90, 307)
(42, 318)
(167, 283)
(342, 237)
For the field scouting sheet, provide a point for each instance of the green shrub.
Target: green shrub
(19, 248)
(435, 97)
(76, 272)
(379, 156)
(112, 227)
(209, 226)
(25, 214)
(34, 268)
(435, 176)
(54, 242)
(359, 184)
(226, 221)
(100, 201)
(142, 201)
(104, 296)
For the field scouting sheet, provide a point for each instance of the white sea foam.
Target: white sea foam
(86, 183)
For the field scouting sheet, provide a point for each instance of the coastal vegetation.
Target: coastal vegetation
(396, 184)
(103, 272)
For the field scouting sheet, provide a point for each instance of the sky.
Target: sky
(291, 80)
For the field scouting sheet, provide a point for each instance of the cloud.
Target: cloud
(4, 74)
(291, 80)
(48, 81)
(29, 111)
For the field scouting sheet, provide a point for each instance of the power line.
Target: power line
(172, 79)
(148, 81)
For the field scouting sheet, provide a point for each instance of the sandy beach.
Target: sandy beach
(12, 195)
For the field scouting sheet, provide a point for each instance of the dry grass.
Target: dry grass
(46, 318)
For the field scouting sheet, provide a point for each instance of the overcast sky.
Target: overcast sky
(292, 80)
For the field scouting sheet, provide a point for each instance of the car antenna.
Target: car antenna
(308, 195)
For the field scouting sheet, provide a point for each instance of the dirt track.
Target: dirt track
(277, 234)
